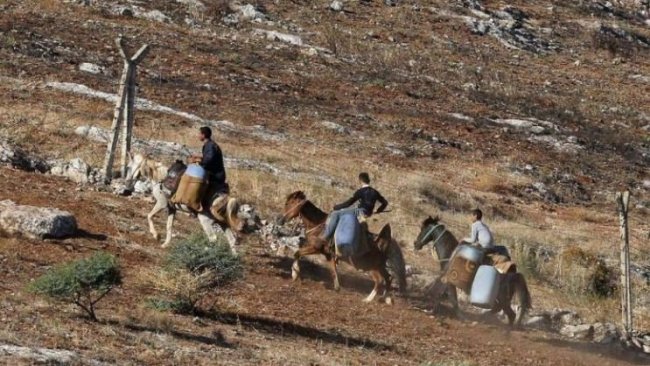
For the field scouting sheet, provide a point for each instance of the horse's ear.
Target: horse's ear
(179, 161)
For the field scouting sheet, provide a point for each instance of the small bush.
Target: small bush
(84, 282)
(194, 268)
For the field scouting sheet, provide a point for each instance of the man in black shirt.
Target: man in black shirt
(367, 197)
(211, 160)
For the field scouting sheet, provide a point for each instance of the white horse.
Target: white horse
(224, 221)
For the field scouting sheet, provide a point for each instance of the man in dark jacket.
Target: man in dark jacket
(211, 160)
(367, 198)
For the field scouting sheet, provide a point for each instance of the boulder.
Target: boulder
(91, 68)
(335, 127)
(36, 222)
(20, 159)
(336, 5)
(142, 187)
(76, 170)
(605, 333)
(538, 322)
(582, 331)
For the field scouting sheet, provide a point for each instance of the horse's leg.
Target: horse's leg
(377, 277)
(295, 267)
(387, 285)
(335, 276)
(208, 227)
(161, 203)
(170, 222)
(452, 293)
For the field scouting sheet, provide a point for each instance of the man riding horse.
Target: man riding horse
(481, 236)
(216, 193)
(367, 197)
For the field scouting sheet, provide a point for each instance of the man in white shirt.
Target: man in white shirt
(481, 233)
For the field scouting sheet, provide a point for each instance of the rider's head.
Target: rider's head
(477, 215)
(364, 178)
(205, 133)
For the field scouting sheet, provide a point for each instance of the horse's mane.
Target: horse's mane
(312, 212)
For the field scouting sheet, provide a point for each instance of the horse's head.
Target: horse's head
(383, 240)
(426, 232)
(292, 206)
(134, 165)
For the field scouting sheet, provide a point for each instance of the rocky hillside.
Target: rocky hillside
(535, 111)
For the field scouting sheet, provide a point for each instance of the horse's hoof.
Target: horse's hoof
(337, 288)
(389, 300)
(156, 236)
(165, 245)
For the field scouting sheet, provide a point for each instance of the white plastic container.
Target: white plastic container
(485, 287)
(470, 253)
(195, 171)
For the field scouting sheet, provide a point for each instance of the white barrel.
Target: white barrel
(195, 171)
(485, 287)
(470, 253)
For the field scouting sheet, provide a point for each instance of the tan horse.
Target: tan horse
(226, 219)
(380, 248)
(444, 244)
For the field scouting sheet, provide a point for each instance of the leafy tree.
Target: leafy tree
(84, 282)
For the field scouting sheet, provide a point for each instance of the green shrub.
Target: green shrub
(194, 268)
(197, 255)
(84, 282)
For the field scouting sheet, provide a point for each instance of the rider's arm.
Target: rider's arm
(349, 202)
(382, 201)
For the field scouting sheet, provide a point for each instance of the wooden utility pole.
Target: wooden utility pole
(124, 109)
(623, 201)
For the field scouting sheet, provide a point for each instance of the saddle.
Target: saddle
(173, 178)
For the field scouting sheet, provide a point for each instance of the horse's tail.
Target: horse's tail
(520, 289)
(394, 256)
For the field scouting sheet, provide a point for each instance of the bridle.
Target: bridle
(290, 210)
(437, 239)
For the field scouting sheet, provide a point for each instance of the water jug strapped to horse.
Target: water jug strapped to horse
(380, 248)
(444, 244)
(165, 182)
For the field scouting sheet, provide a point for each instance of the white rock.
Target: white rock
(155, 15)
(582, 331)
(277, 36)
(91, 68)
(142, 187)
(40, 355)
(605, 333)
(646, 184)
(538, 130)
(335, 127)
(36, 222)
(76, 170)
(249, 12)
(538, 322)
(336, 5)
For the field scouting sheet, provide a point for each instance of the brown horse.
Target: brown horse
(381, 248)
(444, 243)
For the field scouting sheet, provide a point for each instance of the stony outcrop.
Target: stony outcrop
(36, 222)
